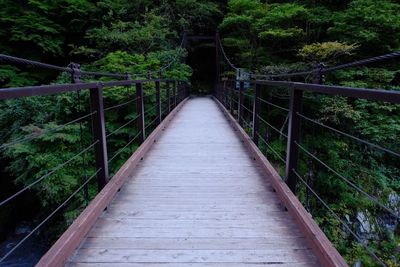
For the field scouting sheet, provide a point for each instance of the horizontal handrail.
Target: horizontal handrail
(390, 96)
(16, 92)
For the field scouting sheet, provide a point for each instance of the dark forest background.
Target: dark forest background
(262, 36)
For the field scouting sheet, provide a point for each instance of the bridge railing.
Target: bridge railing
(248, 103)
(168, 93)
(245, 99)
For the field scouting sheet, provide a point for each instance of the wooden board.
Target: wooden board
(197, 199)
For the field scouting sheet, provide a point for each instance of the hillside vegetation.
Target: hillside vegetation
(266, 37)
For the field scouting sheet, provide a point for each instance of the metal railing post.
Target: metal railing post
(217, 62)
(168, 93)
(99, 134)
(256, 112)
(224, 94)
(294, 126)
(158, 99)
(140, 111)
(240, 107)
(174, 90)
(231, 97)
(179, 92)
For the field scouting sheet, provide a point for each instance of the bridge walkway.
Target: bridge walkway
(196, 199)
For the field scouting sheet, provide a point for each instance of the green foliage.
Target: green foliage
(372, 24)
(280, 34)
(11, 76)
(141, 37)
(199, 16)
(325, 52)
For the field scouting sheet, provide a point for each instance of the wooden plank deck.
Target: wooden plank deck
(196, 199)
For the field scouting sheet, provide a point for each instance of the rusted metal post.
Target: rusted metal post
(240, 105)
(256, 113)
(140, 111)
(183, 95)
(217, 66)
(158, 99)
(231, 97)
(183, 91)
(178, 92)
(224, 94)
(99, 134)
(168, 93)
(292, 156)
(174, 90)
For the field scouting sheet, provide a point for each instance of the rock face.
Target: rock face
(365, 226)
(369, 226)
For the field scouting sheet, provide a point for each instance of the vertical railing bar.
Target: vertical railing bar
(158, 99)
(256, 113)
(224, 94)
(75, 78)
(168, 93)
(231, 96)
(294, 127)
(240, 108)
(99, 133)
(140, 111)
(217, 64)
(175, 86)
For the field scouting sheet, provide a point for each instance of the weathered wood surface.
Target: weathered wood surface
(196, 199)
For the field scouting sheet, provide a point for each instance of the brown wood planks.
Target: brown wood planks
(197, 199)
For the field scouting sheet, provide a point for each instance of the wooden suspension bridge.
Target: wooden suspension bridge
(197, 197)
(198, 191)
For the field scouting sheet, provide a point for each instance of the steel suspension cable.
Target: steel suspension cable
(225, 56)
(272, 104)
(370, 60)
(123, 126)
(397, 154)
(121, 105)
(70, 69)
(55, 129)
(273, 127)
(357, 63)
(148, 125)
(273, 150)
(356, 187)
(123, 148)
(247, 109)
(22, 61)
(51, 171)
(363, 62)
(340, 220)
